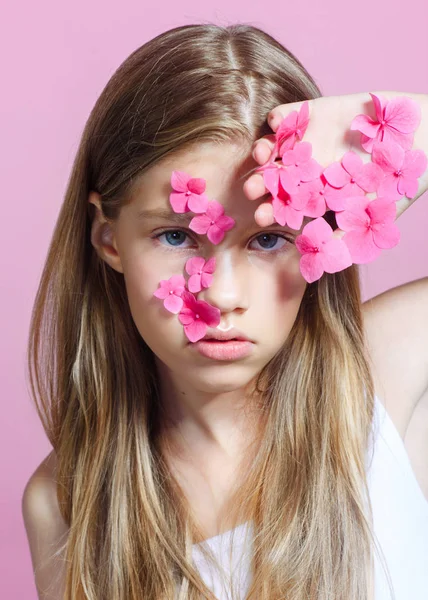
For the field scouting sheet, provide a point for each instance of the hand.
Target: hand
(329, 133)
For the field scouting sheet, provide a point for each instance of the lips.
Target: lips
(222, 336)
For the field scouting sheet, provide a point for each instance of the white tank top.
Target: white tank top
(400, 523)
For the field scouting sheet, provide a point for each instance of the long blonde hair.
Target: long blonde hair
(94, 380)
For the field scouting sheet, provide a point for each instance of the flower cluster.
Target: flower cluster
(300, 187)
(195, 315)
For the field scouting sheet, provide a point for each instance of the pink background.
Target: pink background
(56, 59)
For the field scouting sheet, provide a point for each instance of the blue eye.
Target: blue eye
(268, 241)
(174, 237)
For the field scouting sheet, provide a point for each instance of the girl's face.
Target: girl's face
(257, 283)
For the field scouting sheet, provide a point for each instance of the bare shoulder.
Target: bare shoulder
(46, 529)
(396, 330)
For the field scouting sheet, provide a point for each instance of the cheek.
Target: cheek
(150, 316)
(276, 298)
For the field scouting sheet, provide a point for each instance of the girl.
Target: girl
(230, 443)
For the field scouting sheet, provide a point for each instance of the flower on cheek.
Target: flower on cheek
(213, 222)
(396, 120)
(320, 251)
(171, 291)
(196, 316)
(200, 273)
(189, 193)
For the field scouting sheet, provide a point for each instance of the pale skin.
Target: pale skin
(259, 294)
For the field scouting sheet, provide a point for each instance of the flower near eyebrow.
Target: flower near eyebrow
(370, 227)
(396, 121)
(320, 251)
(171, 291)
(200, 272)
(188, 194)
(213, 222)
(196, 316)
(401, 167)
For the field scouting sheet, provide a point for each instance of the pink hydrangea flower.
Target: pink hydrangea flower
(396, 121)
(170, 291)
(275, 172)
(200, 272)
(402, 169)
(292, 128)
(197, 316)
(300, 162)
(188, 194)
(213, 222)
(316, 193)
(288, 210)
(370, 227)
(351, 177)
(320, 251)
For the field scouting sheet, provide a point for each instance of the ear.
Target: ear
(103, 236)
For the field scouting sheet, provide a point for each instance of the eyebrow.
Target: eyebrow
(183, 218)
(164, 214)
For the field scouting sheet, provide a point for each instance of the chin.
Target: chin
(221, 378)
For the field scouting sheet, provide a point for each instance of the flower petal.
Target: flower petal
(335, 256)
(388, 155)
(196, 203)
(196, 185)
(387, 236)
(215, 234)
(352, 163)
(370, 177)
(194, 283)
(200, 224)
(210, 265)
(210, 314)
(206, 279)
(194, 264)
(366, 125)
(178, 201)
(403, 113)
(173, 303)
(215, 210)
(361, 246)
(311, 266)
(226, 223)
(179, 181)
(195, 331)
(177, 282)
(336, 175)
(186, 316)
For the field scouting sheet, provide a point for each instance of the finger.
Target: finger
(254, 187)
(262, 148)
(264, 214)
(277, 114)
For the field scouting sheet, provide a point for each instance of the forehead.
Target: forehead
(224, 167)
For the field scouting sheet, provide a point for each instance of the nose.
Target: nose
(229, 288)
